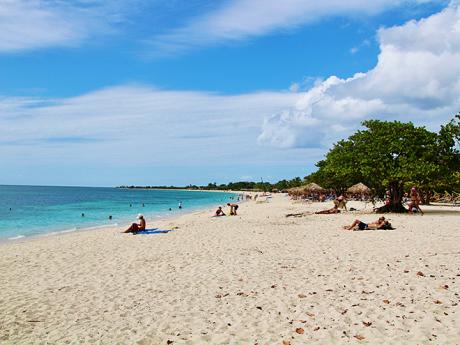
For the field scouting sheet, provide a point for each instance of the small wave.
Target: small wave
(66, 231)
(58, 232)
(16, 237)
(94, 227)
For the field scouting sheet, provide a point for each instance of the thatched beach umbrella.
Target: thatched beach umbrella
(359, 188)
(291, 191)
(313, 188)
(295, 192)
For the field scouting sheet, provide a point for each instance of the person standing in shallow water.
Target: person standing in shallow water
(180, 205)
(136, 227)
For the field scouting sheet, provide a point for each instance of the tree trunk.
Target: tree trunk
(425, 197)
(395, 205)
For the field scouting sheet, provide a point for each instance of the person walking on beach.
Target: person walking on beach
(233, 208)
(358, 225)
(136, 227)
(414, 201)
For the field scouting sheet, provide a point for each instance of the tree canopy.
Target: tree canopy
(391, 155)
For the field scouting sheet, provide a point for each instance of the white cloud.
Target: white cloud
(139, 123)
(242, 19)
(417, 78)
(32, 24)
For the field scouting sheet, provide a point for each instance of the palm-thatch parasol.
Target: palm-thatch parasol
(295, 192)
(312, 188)
(291, 191)
(359, 188)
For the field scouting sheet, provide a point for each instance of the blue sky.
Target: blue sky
(175, 92)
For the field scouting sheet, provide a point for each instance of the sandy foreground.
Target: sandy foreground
(256, 278)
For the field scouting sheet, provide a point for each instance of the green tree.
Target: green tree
(388, 155)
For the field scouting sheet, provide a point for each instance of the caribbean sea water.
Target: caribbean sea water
(37, 210)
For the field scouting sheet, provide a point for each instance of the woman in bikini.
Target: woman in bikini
(136, 227)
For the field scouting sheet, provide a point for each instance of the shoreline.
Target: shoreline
(121, 225)
(153, 215)
(256, 277)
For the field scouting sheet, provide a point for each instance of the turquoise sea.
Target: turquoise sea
(38, 210)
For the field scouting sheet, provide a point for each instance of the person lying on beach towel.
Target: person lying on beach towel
(219, 212)
(333, 210)
(136, 227)
(153, 231)
(358, 225)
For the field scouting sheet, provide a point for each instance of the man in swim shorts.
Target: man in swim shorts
(233, 208)
(219, 212)
(358, 225)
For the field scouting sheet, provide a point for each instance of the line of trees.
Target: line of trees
(241, 185)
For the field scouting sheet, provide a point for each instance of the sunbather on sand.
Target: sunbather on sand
(333, 210)
(358, 225)
(219, 212)
(136, 227)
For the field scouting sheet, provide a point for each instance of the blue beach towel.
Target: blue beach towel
(152, 231)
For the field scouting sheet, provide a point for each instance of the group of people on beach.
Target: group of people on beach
(141, 224)
(357, 225)
(233, 208)
(412, 199)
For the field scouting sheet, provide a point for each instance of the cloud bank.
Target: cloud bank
(139, 123)
(417, 78)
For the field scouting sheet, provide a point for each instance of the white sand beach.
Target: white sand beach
(256, 278)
